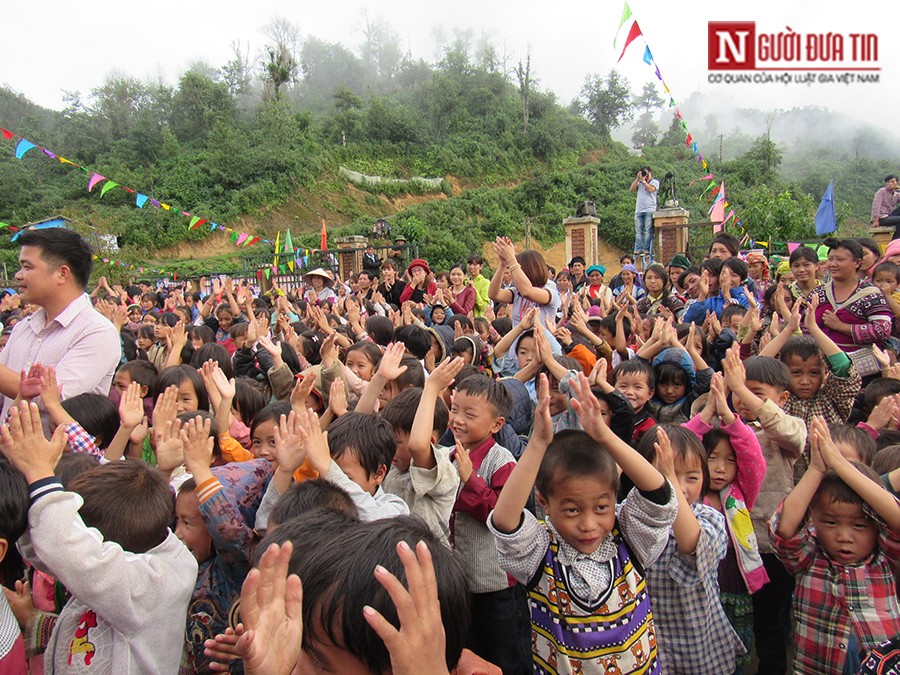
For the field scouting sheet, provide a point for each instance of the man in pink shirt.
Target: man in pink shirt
(66, 332)
(885, 203)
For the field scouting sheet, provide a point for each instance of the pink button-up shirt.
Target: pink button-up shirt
(81, 344)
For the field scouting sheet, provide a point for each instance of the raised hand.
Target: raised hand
(289, 450)
(543, 424)
(444, 373)
(337, 397)
(302, 389)
(131, 406)
(166, 409)
(22, 441)
(735, 375)
(587, 408)
(419, 644)
(198, 445)
(717, 391)
(314, 440)
(665, 457)
(390, 368)
(464, 466)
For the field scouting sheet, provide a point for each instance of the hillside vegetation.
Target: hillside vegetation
(259, 147)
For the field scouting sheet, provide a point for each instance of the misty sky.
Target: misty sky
(53, 46)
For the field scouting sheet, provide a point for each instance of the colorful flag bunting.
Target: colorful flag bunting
(632, 35)
(23, 147)
(826, 218)
(108, 186)
(96, 178)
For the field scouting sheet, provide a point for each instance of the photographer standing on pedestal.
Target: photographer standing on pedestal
(646, 186)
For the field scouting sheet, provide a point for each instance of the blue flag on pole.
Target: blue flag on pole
(826, 219)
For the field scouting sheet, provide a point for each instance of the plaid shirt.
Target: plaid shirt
(694, 633)
(831, 600)
(82, 441)
(833, 400)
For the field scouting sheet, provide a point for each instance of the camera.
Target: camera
(670, 175)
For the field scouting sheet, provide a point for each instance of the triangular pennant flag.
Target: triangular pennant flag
(63, 160)
(632, 34)
(704, 164)
(666, 89)
(826, 218)
(2, 225)
(242, 237)
(717, 212)
(648, 57)
(194, 222)
(48, 153)
(165, 206)
(96, 178)
(234, 236)
(140, 200)
(213, 227)
(283, 268)
(253, 240)
(626, 14)
(694, 147)
(108, 186)
(290, 265)
(688, 141)
(288, 244)
(728, 217)
(7, 134)
(658, 74)
(671, 102)
(268, 272)
(277, 239)
(23, 147)
(708, 176)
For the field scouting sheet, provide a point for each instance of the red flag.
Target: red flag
(323, 239)
(8, 135)
(632, 34)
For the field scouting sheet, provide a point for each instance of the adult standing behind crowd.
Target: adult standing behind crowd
(531, 285)
(646, 187)
(852, 312)
(479, 283)
(886, 205)
(66, 333)
(421, 282)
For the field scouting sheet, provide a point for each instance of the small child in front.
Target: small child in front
(584, 567)
(131, 584)
(845, 601)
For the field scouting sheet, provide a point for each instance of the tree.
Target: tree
(236, 74)
(198, 104)
(283, 64)
(674, 135)
(606, 102)
(523, 74)
(380, 49)
(646, 131)
(648, 99)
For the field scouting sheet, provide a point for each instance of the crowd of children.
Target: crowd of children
(690, 470)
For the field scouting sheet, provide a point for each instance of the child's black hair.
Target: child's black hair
(886, 439)
(214, 352)
(768, 370)
(72, 464)
(890, 268)
(466, 371)
(682, 278)
(876, 390)
(886, 460)
(803, 253)
(670, 373)
(248, 399)
(96, 414)
(370, 350)
(146, 331)
(303, 497)
(400, 413)
(493, 391)
(380, 329)
(712, 265)
(566, 362)
(857, 438)
(269, 413)
(203, 333)
(636, 367)
(142, 372)
(336, 563)
(737, 266)
(413, 376)
(684, 444)
(369, 437)
(14, 504)
(802, 346)
(609, 323)
(311, 346)
(468, 344)
(733, 310)
(833, 489)
(214, 431)
(502, 325)
(460, 319)
(176, 375)
(168, 319)
(416, 340)
(573, 453)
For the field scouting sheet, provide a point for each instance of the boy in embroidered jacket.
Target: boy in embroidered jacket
(584, 566)
(108, 541)
(845, 601)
